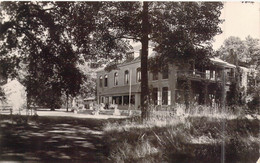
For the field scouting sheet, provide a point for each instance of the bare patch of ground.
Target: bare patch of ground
(51, 139)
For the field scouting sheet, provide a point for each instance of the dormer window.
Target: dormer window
(130, 56)
(126, 77)
(155, 75)
(165, 73)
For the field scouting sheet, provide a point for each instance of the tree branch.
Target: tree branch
(129, 37)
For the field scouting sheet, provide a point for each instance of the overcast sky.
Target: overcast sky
(241, 20)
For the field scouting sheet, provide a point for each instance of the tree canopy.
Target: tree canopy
(52, 38)
(244, 53)
(247, 51)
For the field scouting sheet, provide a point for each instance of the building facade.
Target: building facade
(177, 84)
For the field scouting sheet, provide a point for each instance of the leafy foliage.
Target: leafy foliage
(247, 51)
(52, 39)
(186, 31)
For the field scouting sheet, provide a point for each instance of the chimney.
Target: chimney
(129, 56)
(234, 59)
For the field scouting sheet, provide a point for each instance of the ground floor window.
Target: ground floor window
(123, 100)
(101, 99)
(126, 100)
(106, 100)
(117, 100)
(165, 95)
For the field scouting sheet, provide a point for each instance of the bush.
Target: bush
(254, 105)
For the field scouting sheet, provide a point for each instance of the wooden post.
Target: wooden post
(223, 100)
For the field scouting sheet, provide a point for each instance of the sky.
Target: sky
(241, 20)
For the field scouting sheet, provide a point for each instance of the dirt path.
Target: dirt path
(52, 139)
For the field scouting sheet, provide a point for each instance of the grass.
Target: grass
(192, 136)
(196, 135)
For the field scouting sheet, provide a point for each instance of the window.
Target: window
(155, 76)
(101, 99)
(165, 95)
(165, 74)
(212, 75)
(100, 81)
(155, 96)
(126, 100)
(138, 74)
(117, 100)
(126, 77)
(116, 78)
(207, 74)
(106, 81)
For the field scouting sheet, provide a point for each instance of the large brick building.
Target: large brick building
(122, 85)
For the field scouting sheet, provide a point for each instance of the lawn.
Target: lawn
(51, 139)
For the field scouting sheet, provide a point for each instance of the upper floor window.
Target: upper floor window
(100, 81)
(155, 96)
(155, 76)
(165, 73)
(138, 74)
(126, 77)
(106, 81)
(207, 74)
(212, 75)
(116, 78)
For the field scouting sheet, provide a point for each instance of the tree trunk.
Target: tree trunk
(144, 60)
(67, 102)
(53, 102)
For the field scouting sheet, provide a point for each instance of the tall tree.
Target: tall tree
(51, 38)
(33, 33)
(144, 61)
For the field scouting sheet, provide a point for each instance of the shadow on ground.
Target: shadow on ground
(51, 138)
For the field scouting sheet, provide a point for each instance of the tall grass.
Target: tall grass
(181, 135)
(142, 151)
(209, 111)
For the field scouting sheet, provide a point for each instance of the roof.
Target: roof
(244, 68)
(215, 60)
(222, 63)
(122, 90)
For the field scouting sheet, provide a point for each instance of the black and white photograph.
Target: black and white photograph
(130, 81)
